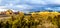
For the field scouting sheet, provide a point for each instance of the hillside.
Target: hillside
(32, 20)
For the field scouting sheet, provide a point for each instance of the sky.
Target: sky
(30, 5)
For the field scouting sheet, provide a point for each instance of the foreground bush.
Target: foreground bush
(35, 20)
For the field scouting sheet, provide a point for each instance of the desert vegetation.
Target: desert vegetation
(34, 20)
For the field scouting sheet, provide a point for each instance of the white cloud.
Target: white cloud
(24, 7)
(52, 1)
(2, 7)
(43, 2)
(48, 8)
(10, 4)
(13, 4)
(35, 1)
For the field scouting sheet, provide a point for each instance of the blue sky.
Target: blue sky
(30, 5)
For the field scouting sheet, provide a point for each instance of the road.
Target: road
(1, 18)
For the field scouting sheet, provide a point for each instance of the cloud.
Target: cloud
(15, 8)
(53, 1)
(2, 8)
(41, 2)
(36, 2)
(10, 4)
(24, 6)
(27, 5)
